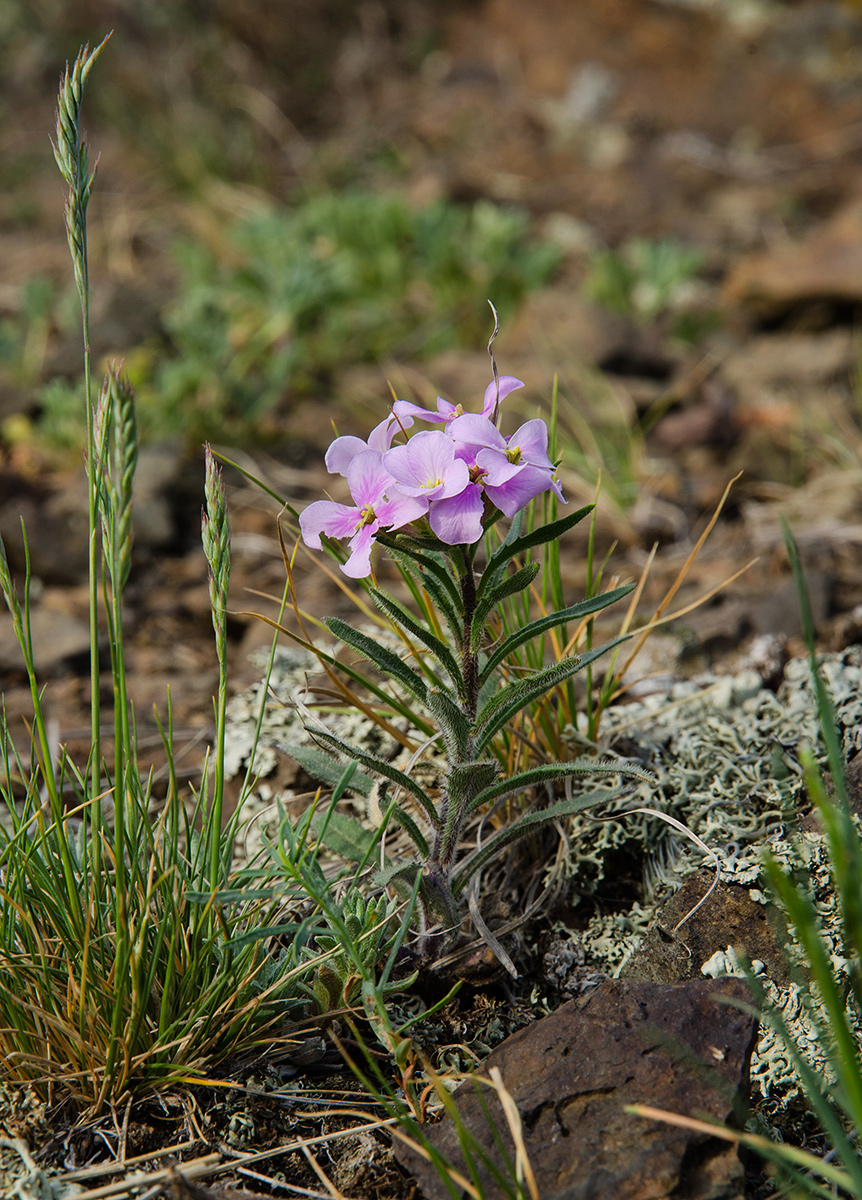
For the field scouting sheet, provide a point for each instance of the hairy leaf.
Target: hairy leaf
(438, 648)
(384, 658)
(549, 772)
(492, 597)
(573, 613)
(523, 826)
(324, 767)
(344, 834)
(536, 537)
(515, 696)
(454, 725)
(380, 767)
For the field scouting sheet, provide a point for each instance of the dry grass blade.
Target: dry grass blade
(213, 1164)
(792, 1154)
(678, 581)
(523, 1168)
(331, 1189)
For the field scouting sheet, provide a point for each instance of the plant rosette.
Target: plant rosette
(431, 501)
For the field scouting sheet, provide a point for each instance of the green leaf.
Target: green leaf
(517, 695)
(416, 567)
(384, 658)
(427, 551)
(379, 767)
(407, 823)
(454, 725)
(492, 597)
(521, 828)
(536, 537)
(344, 834)
(324, 767)
(549, 772)
(395, 874)
(573, 613)
(437, 647)
(466, 781)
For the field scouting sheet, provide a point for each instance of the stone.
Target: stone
(825, 265)
(728, 918)
(571, 1074)
(58, 639)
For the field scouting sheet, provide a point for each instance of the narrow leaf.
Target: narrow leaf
(523, 826)
(515, 696)
(433, 587)
(573, 613)
(492, 596)
(537, 537)
(454, 725)
(324, 767)
(549, 772)
(380, 767)
(384, 658)
(344, 834)
(437, 647)
(407, 823)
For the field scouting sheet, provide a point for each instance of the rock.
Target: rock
(57, 638)
(826, 265)
(570, 1075)
(778, 611)
(56, 534)
(728, 918)
(789, 360)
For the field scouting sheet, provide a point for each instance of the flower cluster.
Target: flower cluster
(445, 477)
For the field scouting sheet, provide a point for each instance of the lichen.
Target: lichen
(725, 753)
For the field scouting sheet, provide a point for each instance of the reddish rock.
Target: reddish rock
(826, 265)
(672, 1046)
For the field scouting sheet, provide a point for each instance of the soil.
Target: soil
(729, 127)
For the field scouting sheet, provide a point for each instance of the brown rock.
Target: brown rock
(673, 1046)
(728, 918)
(826, 265)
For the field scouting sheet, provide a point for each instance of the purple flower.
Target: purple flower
(457, 520)
(426, 466)
(446, 411)
(429, 466)
(371, 511)
(513, 470)
(343, 450)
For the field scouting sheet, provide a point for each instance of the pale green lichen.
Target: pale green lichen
(725, 755)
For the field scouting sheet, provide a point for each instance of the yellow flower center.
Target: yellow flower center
(432, 483)
(514, 454)
(366, 517)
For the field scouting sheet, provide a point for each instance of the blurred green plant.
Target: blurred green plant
(648, 280)
(339, 278)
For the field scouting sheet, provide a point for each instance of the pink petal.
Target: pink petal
(380, 437)
(359, 563)
(367, 478)
(427, 466)
(532, 439)
(508, 383)
(342, 452)
(325, 516)
(400, 510)
(405, 412)
(476, 431)
(517, 493)
(497, 468)
(457, 520)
